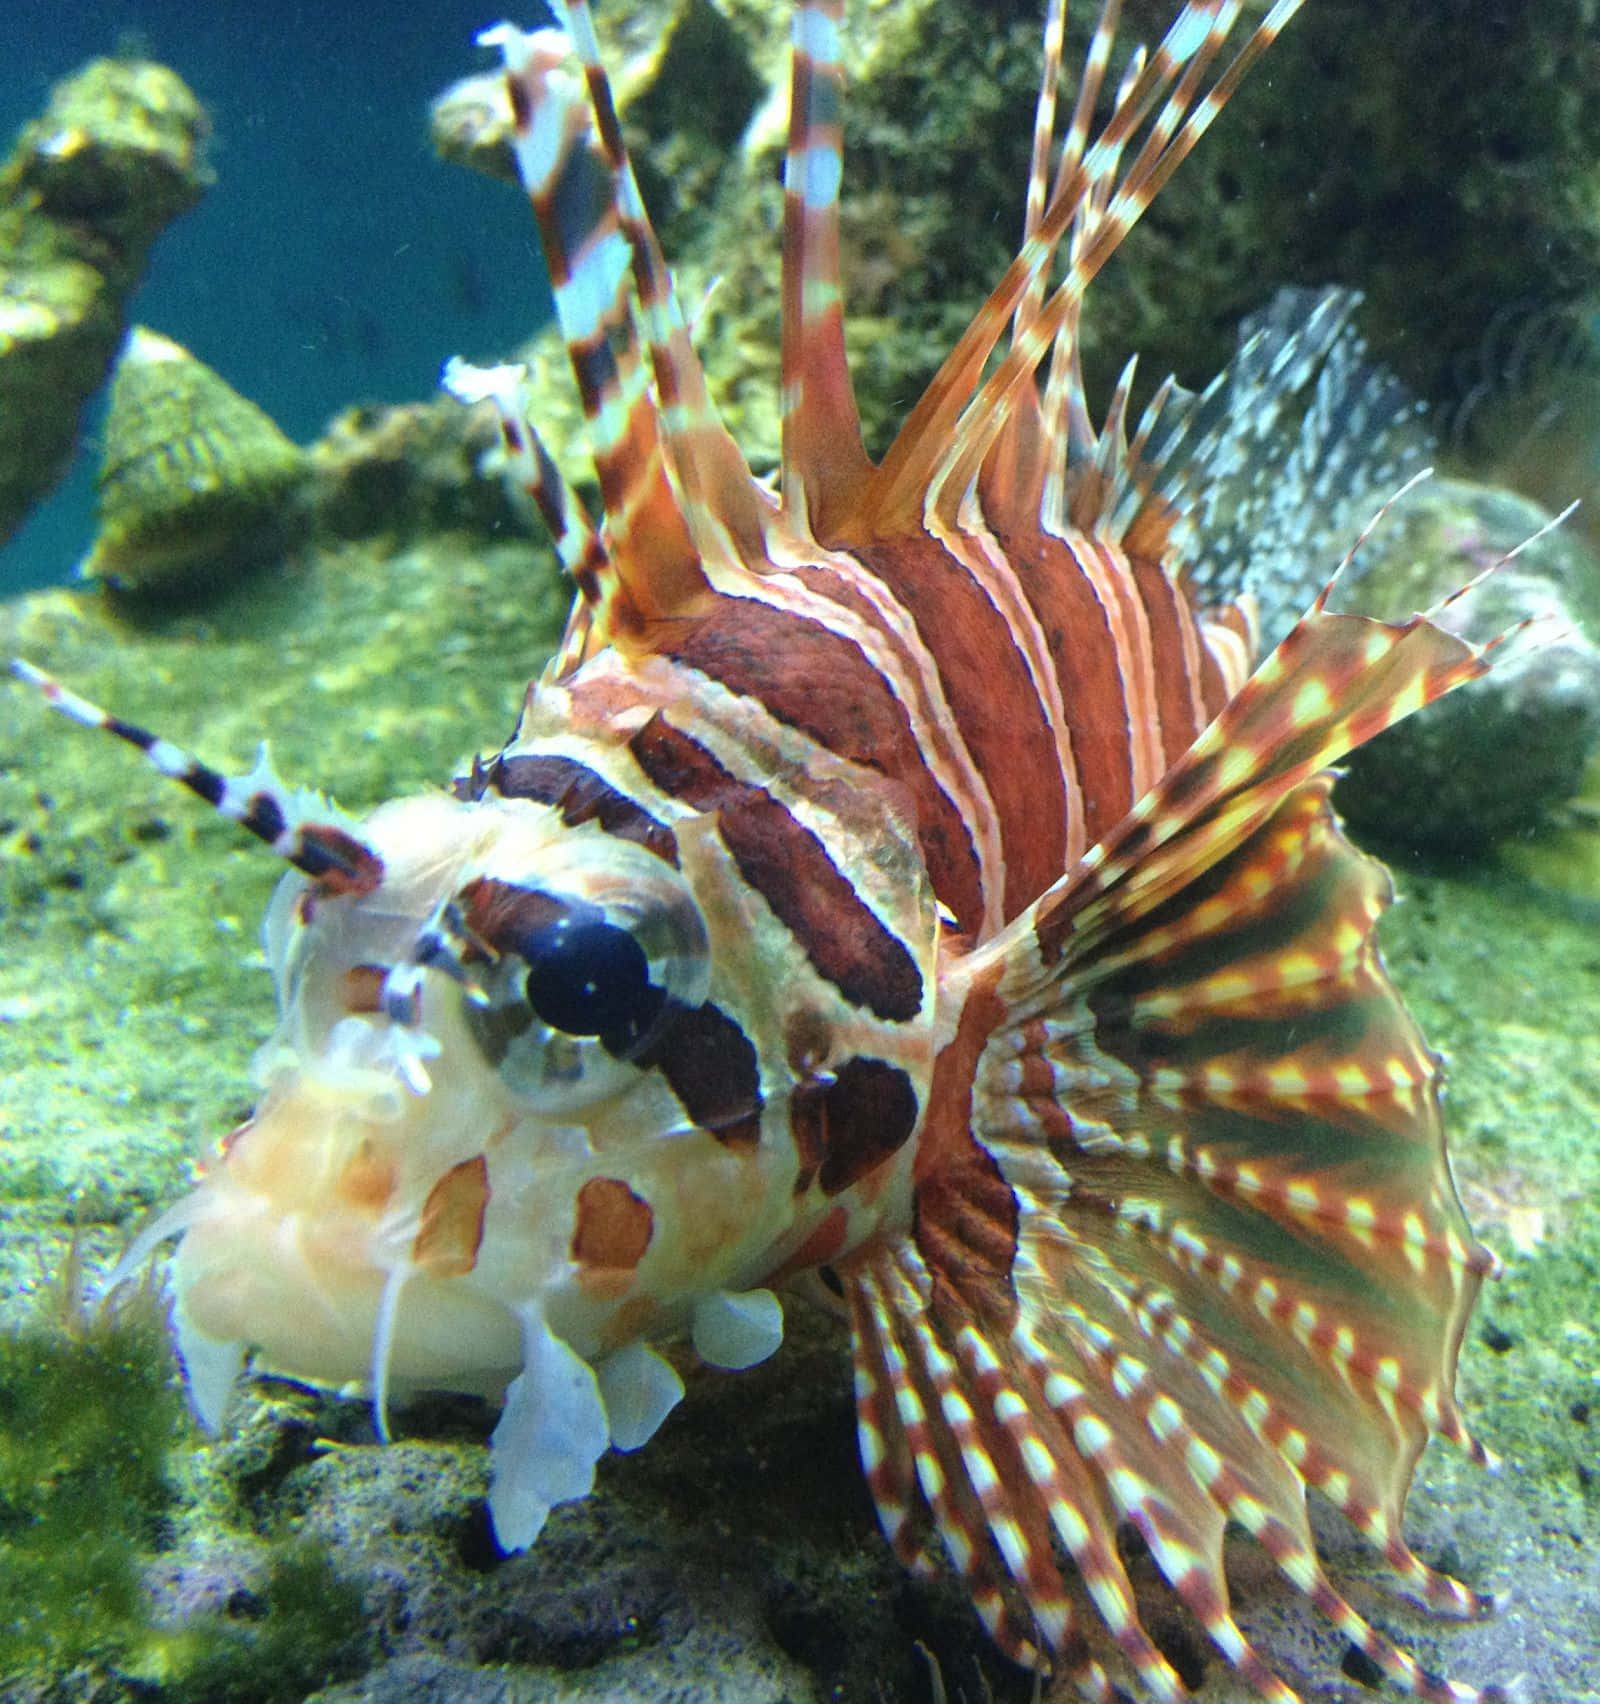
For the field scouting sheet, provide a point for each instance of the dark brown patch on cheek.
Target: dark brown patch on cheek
(613, 1231)
(580, 795)
(848, 1128)
(711, 1067)
(447, 1244)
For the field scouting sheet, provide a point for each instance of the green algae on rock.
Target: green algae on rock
(197, 484)
(118, 154)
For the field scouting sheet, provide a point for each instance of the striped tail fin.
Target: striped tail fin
(1186, 1243)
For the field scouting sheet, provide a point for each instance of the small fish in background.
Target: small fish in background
(906, 882)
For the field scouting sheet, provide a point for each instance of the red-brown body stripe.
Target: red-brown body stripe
(815, 681)
(1173, 641)
(965, 1214)
(1213, 688)
(792, 870)
(581, 796)
(1089, 669)
(997, 710)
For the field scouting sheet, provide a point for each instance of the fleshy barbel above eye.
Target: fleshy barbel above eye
(595, 955)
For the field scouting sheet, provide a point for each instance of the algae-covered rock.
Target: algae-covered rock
(197, 483)
(118, 154)
(1494, 758)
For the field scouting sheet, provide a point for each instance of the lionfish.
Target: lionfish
(898, 879)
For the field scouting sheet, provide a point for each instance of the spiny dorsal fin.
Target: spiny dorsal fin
(680, 502)
(720, 495)
(824, 463)
(945, 440)
(534, 473)
(570, 183)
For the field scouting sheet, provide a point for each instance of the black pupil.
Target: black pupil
(588, 977)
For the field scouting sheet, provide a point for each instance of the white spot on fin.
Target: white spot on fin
(736, 1329)
(551, 1433)
(640, 1388)
(211, 1368)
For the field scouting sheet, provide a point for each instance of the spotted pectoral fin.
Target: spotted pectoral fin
(1186, 1241)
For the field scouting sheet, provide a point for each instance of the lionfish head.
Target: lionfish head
(509, 1132)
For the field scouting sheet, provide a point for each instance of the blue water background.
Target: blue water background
(335, 259)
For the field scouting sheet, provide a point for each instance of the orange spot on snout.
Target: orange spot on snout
(363, 986)
(224, 1146)
(369, 1179)
(613, 1231)
(446, 1246)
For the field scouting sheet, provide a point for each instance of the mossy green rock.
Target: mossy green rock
(1501, 756)
(118, 154)
(197, 484)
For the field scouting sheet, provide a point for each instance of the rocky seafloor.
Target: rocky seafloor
(736, 1557)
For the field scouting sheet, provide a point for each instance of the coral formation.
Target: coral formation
(197, 483)
(117, 155)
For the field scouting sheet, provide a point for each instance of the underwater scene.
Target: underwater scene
(906, 1013)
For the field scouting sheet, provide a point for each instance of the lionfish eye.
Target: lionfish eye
(583, 986)
(588, 977)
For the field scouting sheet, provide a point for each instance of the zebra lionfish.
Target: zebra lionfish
(898, 877)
